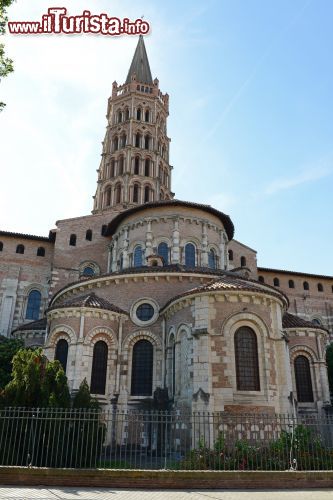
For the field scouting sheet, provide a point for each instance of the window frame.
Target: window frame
(241, 379)
(99, 369)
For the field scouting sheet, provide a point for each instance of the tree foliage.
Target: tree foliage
(6, 64)
(8, 347)
(36, 382)
(83, 399)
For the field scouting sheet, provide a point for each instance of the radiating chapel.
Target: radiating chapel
(151, 295)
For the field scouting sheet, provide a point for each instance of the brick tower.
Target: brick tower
(135, 165)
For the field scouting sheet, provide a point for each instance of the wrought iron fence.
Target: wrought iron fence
(164, 440)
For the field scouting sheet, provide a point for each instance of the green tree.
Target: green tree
(8, 347)
(6, 64)
(36, 383)
(83, 399)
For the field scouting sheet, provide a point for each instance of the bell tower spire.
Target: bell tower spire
(135, 167)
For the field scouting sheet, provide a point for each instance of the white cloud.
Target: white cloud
(307, 175)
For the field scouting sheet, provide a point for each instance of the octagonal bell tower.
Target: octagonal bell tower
(135, 167)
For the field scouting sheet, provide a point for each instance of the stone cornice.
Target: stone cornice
(242, 296)
(88, 312)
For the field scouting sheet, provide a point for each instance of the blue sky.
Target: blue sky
(251, 106)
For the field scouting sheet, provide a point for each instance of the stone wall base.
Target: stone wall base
(151, 479)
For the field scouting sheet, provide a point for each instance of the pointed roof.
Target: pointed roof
(140, 65)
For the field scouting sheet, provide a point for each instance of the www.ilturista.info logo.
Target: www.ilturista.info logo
(56, 21)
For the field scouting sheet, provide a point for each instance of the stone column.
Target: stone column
(149, 240)
(204, 245)
(223, 250)
(114, 255)
(125, 248)
(175, 251)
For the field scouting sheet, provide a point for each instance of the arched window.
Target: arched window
(190, 255)
(261, 279)
(305, 285)
(61, 353)
(246, 357)
(1, 246)
(112, 168)
(303, 380)
(115, 143)
(121, 165)
(108, 197)
(291, 284)
(136, 193)
(88, 271)
(89, 234)
(147, 141)
(137, 165)
(138, 114)
(147, 167)
(142, 369)
(147, 115)
(231, 255)
(320, 287)
(99, 368)
(212, 259)
(172, 365)
(137, 140)
(316, 321)
(123, 140)
(163, 251)
(118, 193)
(40, 252)
(72, 240)
(33, 305)
(121, 262)
(276, 282)
(20, 249)
(137, 256)
(127, 114)
(119, 117)
(243, 261)
(147, 194)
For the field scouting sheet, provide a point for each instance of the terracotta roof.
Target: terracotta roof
(292, 321)
(229, 283)
(295, 273)
(40, 324)
(24, 236)
(225, 219)
(88, 300)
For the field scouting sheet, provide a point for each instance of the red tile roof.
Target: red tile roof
(88, 300)
(292, 321)
(230, 283)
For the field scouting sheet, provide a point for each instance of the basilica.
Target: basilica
(151, 293)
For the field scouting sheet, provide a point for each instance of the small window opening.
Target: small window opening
(72, 240)
(41, 252)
